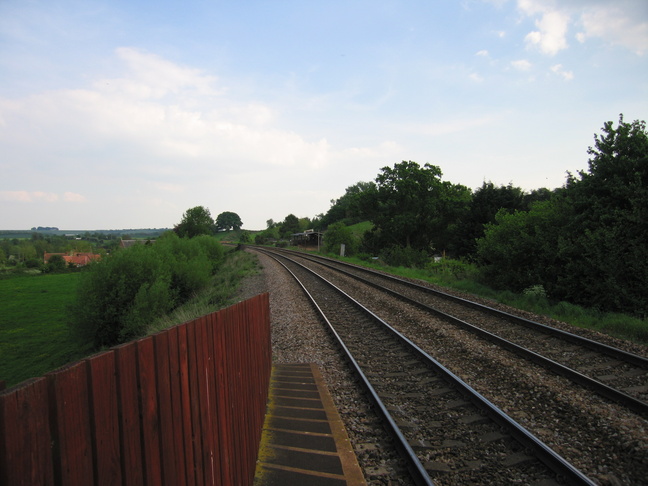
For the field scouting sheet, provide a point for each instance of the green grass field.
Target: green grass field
(34, 336)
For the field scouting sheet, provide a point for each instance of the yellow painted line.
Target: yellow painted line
(350, 466)
(301, 449)
(300, 432)
(307, 472)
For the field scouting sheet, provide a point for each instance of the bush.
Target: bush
(120, 295)
(338, 234)
(399, 256)
(455, 269)
(56, 263)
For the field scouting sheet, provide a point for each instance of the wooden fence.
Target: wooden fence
(184, 406)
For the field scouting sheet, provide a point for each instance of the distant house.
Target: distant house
(77, 259)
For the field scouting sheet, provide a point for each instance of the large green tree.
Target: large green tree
(485, 203)
(412, 207)
(290, 226)
(610, 228)
(587, 244)
(348, 209)
(228, 221)
(195, 221)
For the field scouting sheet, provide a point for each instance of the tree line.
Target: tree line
(583, 243)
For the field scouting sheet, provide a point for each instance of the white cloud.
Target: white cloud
(482, 53)
(566, 75)
(163, 111)
(73, 197)
(617, 26)
(550, 38)
(623, 23)
(521, 65)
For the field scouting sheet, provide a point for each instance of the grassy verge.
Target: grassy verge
(222, 292)
(34, 335)
(463, 277)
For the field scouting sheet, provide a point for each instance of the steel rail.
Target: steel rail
(638, 406)
(544, 453)
(417, 470)
(634, 404)
(574, 338)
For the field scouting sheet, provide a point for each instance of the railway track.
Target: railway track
(612, 373)
(603, 439)
(447, 430)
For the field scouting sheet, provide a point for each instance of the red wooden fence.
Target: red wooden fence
(184, 406)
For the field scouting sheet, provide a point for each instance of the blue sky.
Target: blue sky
(124, 114)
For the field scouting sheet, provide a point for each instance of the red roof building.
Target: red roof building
(78, 259)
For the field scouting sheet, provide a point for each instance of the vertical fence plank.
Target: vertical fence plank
(209, 440)
(129, 414)
(25, 441)
(176, 406)
(149, 412)
(70, 419)
(196, 424)
(169, 468)
(233, 330)
(102, 385)
(221, 399)
(185, 397)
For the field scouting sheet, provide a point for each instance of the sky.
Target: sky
(119, 114)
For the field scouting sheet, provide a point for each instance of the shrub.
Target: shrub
(56, 263)
(399, 256)
(120, 295)
(453, 269)
(338, 234)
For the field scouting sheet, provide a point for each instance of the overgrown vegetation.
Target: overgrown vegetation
(219, 294)
(464, 277)
(122, 294)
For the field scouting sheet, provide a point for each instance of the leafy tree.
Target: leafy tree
(290, 226)
(412, 207)
(195, 221)
(610, 228)
(338, 234)
(228, 221)
(348, 208)
(587, 244)
(485, 203)
(56, 263)
(521, 249)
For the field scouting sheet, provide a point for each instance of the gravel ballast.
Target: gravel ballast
(298, 336)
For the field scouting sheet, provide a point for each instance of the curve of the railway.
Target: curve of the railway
(423, 385)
